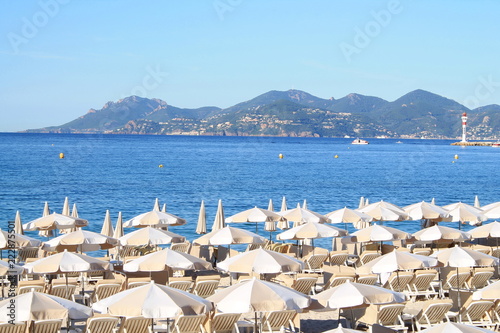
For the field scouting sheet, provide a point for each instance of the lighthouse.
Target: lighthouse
(464, 127)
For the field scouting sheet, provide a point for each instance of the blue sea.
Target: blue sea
(122, 173)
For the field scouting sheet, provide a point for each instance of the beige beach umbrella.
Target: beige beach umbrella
(493, 212)
(270, 206)
(283, 205)
(384, 211)
(156, 206)
(64, 262)
(477, 204)
(261, 261)
(490, 230)
(451, 327)
(301, 215)
(164, 208)
(439, 233)
(346, 215)
(361, 202)
(17, 240)
(107, 226)
(229, 236)
(160, 260)
(491, 205)
(18, 225)
(119, 227)
(311, 230)
(491, 291)
(461, 212)
(154, 219)
(254, 215)
(74, 211)
(55, 221)
(201, 226)
(46, 209)
(46, 212)
(425, 211)
(41, 306)
(219, 221)
(150, 236)
(350, 295)
(271, 227)
(65, 210)
(397, 261)
(152, 301)
(9, 270)
(82, 241)
(379, 233)
(304, 205)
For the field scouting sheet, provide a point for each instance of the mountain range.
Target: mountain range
(418, 114)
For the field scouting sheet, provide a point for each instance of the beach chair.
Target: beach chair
(278, 321)
(314, 263)
(304, 284)
(46, 326)
(137, 282)
(101, 325)
(135, 325)
(365, 257)
(225, 323)
(181, 247)
(189, 323)
(370, 279)
(477, 313)
(399, 281)
(388, 315)
(27, 252)
(454, 280)
(422, 251)
(30, 285)
(103, 291)
(17, 327)
(421, 284)
(433, 313)
(63, 291)
(182, 283)
(479, 278)
(337, 281)
(205, 288)
(338, 257)
(495, 252)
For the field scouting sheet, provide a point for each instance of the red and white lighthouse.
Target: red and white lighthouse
(464, 127)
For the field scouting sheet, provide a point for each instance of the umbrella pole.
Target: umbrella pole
(458, 298)
(255, 325)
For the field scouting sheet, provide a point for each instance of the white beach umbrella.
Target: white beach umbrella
(55, 221)
(156, 206)
(425, 211)
(301, 215)
(119, 226)
(107, 226)
(437, 233)
(150, 236)
(311, 230)
(346, 215)
(160, 260)
(219, 221)
(283, 205)
(17, 240)
(18, 225)
(361, 202)
(461, 212)
(65, 210)
(491, 205)
(464, 257)
(493, 212)
(74, 211)
(201, 226)
(64, 262)
(254, 215)
(40, 306)
(46, 212)
(398, 260)
(270, 206)
(80, 240)
(261, 261)
(283, 224)
(491, 291)
(164, 208)
(379, 233)
(229, 236)
(384, 211)
(490, 230)
(154, 219)
(477, 204)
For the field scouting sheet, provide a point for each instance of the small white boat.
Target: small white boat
(359, 141)
(399, 142)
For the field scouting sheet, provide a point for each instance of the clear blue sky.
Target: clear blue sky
(60, 58)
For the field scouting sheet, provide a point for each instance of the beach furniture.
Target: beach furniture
(27, 252)
(225, 323)
(63, 291)
(135, 325)
(104, 289)
(304, 284)
(189, 323)
(137, 282)
(421, 284)
(181, 247)
(433, 313)
(388, 315)
(453, 279)
(399, 281)
(46, 326)
(369, 279)
(367, 256)
(101, 325)
(279, 321)
(338, 257)
(205, 288)
(17, 327)
(477, 313)
(479, 278)
(30, 285)
(314, 263)
(182, 283)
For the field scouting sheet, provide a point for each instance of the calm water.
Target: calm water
(121, 173)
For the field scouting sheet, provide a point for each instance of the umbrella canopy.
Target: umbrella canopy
(461, 212)
(398, 260)
(346, 215)
(384, 211)
(154, 218)
(492, 213)
(10, 269)
(74, 211)
(450, 327)
(201, 227)
(66, 262)
(55, 221)
(311, 230)
(219, 221)
(425, 211)
(254, 215)
(153, 301)
(16, 240)
(150, 236)
(160, 260)
(352, 294)
(379, 233)
(302, 215)
(107, 226)
(80, 240)
(119, 226)
(464, 257)
(491, 291)
(258, 295)
(261, 261)
(156, 206)
(18, 225)
(228, 236)
(283, 224)
(437, 233)
(41, 306)
(490, 230)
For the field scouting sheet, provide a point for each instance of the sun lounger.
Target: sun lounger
(135, 325)
(189, 324)
(17, 327)
(46, 326)
(225, 323)
(279, 321)
(433, 313)
(338, 257)
(399, 281)
(101, 325)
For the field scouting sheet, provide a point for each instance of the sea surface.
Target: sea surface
(121, 173)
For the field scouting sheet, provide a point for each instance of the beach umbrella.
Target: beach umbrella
(439, 233)
(74, 211)
(433, 201)
(346, 215)
(270, 206)
(361, 202)
(64, 262)
(107, 226)
(219, 221)
(156, 206)
(201, 227)
(164, 208)
(40, 306)
(80, 240)
(18, 226)
(160, 260)
(229, 236)
(491, 291)
(271, 227)
(461, 212)
(150, 236)
(311, 230)
(261, 261)
(425, 211)
(451, 327)
(254, 215)
(379, 233)
(384, 211)
(55, 221)
(283, 205)
(301, 215)
(46, 212)
(398, 261)
(283, 223)
(119, 226)
(491, 205)
(154, 219)
(493, 212)
(477, 204)
(153, 301)
(304, 205)
(350, 295)
(9, 269)
(14, 240)
(65, 210)
(490, 230)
